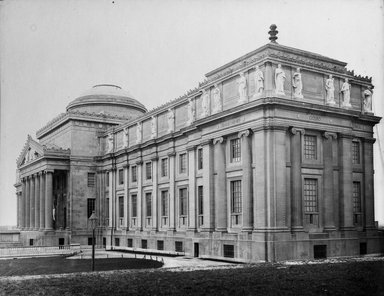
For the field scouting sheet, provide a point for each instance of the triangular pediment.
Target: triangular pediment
(32, 150)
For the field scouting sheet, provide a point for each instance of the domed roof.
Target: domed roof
(107, 95)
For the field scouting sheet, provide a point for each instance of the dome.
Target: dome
(107, 99)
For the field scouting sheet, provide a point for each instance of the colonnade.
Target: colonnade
(35, 204)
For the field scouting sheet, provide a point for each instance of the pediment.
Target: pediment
(32, 150)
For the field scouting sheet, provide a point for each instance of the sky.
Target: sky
(52, 51)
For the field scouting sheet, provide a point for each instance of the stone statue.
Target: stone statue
(367, 100)
(125, 137)
(330, 90)
(346, 91)
(139, 128)
(153, 127)
(242, 83)
(279, 80)
(171, 120)
(110, 143)
(191, 112)
(297, 84)
(205, 103)
(217, 105)
(259, 81)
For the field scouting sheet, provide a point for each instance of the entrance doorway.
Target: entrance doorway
(196, 249)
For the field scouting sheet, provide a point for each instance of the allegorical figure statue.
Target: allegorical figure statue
(242, 83)
(217, 106)
(330, 90)
(259, 81)
(139, 128)
(279, 80)
(110, 143)
(346, 92)
(153, 127)
(297, 84)
(367, 100)
(125, 137)
(205, 103)
(191, 112)
(171, 120)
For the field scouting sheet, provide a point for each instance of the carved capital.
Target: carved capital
(139, 162)
(369, 140)
(191, 147)
(126, 166)
(172, 153)
(330, 135)
(154, 158)
(219, 140)
(245, 133)
(345, 136)
(48, 171)
(295, 130)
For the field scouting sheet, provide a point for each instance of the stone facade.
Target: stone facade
(259, 163)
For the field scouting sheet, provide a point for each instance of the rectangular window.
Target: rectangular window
(107, 179)
(179, 246)
(90, 206)
(148, 170)
(107, 208)
(130, 243)
(121, 177)
(200, 200)
(236, 197)
(356, 194)
(183, 202)
(229, 251)
(160, 245)
(310, 195)
(235, 150)
(183, 163)
(148, 202)
(199, 158)
(134, 174)
(143, 243)
(355, 152)
(310, 147)
(164, 203)
(121, 206)
(91, 180)
(117, 242)
(134, 205)
(164, 167)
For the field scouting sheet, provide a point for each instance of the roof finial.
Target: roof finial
(273, 32)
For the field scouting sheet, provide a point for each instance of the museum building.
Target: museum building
(270, 158)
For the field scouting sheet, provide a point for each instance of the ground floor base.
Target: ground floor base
(242, 246)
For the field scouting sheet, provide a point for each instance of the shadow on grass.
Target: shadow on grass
(56, 265)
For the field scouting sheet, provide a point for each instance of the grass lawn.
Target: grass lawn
(347, 278)
(54, 265)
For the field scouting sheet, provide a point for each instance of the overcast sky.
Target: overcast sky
(52, 51)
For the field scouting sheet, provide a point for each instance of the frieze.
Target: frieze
(230, 122)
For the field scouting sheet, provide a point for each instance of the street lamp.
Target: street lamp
(93, 221)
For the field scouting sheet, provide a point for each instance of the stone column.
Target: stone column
(42, 201)
(368, 193)
(246, 160)
(192, 189)
(208, 198)
(155, 215)
(345, 161)
(37, 201)
(296, 186)
(18, 197)
(22, 205)
(27, 203)
(221, 209)
(110, 198)
(32, 203)
(48, 199)
(172, 190)
(140, 204)
(327, 208)
(126, 212)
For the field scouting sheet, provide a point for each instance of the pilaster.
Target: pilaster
(22, 205)
(42, 201)
(48, 199)
(37, 201)
(172, 169)
(345, 163)
(27, 203)
(368, 193)
(221, 208)
(32, 208)
(192, 189)
(208, 199)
